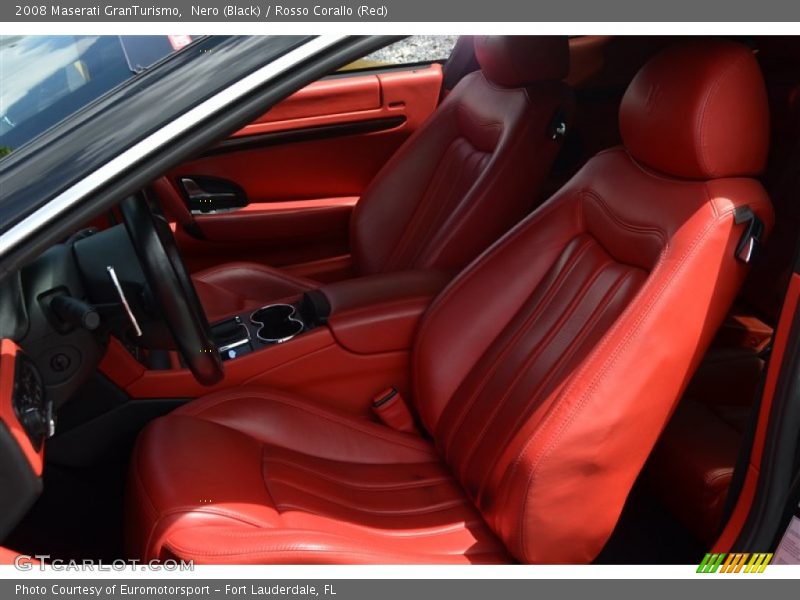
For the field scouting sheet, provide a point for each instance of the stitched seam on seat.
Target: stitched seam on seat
(650, 172)
(466, 277)
(429, 482)
(712, 92)
(373, 532)
(265, 479)
(427, 532)
(620, 347)
(410, 302)
(271, 273)
(508, 347)
(214, 511)
(409, 512)
(258, 376)
(553, 289)
(712, 479)
(447, 110)
(763, 204)
(268, 550)
(543, 345)
(429, 205)
(621, 222)
(452, 203)
(502, 156)
(421, 207)
(566, 357)
(473, 119)
(249, 395)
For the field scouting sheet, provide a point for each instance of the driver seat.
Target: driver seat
(542, 375)
(469, 174)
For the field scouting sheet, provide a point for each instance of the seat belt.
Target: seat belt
(393, 412)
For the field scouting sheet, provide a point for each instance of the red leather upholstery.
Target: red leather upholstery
(256, 476)
(521, 60)
(380, 313)
(235, 287)
(544, 373)
(462, 180)
(720, 101)
(693, 463)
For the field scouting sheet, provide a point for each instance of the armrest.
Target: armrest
(380, 313)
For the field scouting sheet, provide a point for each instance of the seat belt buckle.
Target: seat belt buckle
(393, 412)
(750, 243)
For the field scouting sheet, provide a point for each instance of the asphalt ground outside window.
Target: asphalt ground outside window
(417, 48)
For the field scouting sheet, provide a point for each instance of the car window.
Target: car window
(412, 50)
(45, 79)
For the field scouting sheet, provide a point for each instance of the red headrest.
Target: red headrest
(698, 111)
(520, 60)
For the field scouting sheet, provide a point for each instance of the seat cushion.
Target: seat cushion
(258, 476)
(231, 288)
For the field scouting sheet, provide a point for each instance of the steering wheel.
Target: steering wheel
(172, 287)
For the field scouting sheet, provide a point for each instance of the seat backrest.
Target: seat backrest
(473, 169)
(547, 369)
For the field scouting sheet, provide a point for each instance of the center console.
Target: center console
(339, 344)
(252, 331)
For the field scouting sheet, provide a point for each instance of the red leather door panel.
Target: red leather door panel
(303, 165)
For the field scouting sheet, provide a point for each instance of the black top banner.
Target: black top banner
(402, 11)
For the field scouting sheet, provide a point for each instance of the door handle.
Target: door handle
(203, 198)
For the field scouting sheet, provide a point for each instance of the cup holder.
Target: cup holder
(277, 323)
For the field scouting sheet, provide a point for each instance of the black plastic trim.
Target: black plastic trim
(305, 134)
(108, 437)
(19, 485)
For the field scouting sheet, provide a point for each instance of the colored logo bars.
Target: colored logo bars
(735, 563)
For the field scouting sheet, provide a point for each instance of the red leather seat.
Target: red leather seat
(692, 466)
(544, 373)
(460, 182)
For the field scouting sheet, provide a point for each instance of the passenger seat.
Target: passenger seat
(456, 185)
(692, 466)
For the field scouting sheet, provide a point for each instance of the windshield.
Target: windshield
(45, 79)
